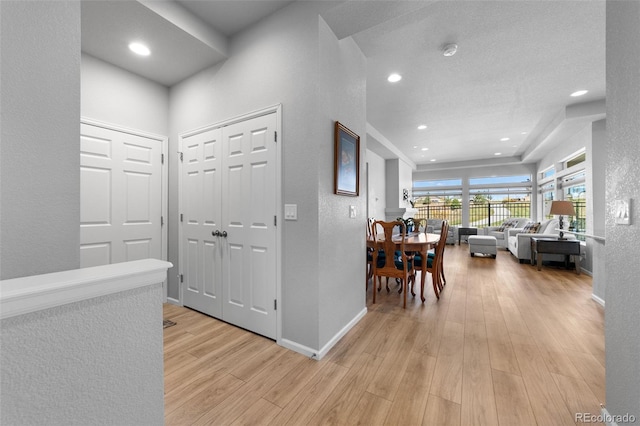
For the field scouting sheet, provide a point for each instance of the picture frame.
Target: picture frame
(346, 161)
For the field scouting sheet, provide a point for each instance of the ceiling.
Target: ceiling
(517, 64)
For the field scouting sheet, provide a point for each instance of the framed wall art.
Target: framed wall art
(346, 161)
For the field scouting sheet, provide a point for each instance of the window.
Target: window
(575, 190)
(548, 195)
(494, 199)
(548, 172)
(441, 199)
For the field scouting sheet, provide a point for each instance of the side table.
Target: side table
(547, 245)
(466, 231)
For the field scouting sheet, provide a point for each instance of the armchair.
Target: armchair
(519, 243)
(501, 232)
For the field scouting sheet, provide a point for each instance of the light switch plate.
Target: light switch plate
(352, 212)
(290, 212)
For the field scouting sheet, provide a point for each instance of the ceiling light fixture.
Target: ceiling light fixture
(394, 78)
(422, 127)
(449, 49)
(425, 149)
(139, 48)
(497, 153)
(433, 159)
(579, 93)
(504, 139)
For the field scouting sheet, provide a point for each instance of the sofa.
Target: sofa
(435, 225)
(500, 232)
(519, 242)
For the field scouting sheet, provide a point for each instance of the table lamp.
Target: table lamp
(562, 208)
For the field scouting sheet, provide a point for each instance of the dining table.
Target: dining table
(420, 242)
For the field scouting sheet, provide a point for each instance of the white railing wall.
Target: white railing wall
(83, 346)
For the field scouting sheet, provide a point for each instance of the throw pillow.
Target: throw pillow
(531, 228)
(535, 228)
(506, 224)
(527, 227)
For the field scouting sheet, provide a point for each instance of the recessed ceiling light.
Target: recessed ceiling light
(394, 78)
(504, 139)
(497, 153)
(523, 133)
(139, 48)
(515, 146)
(425, 149)
(433, 159)
(579, 93)
(415, 146)
(422, 127)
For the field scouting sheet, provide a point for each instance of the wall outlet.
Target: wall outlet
(352, 212)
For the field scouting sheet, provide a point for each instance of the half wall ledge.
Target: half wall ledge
(24, 295)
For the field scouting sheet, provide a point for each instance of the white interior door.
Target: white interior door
(248, 215)
(120, 196)
(201, 197)
(229, 205)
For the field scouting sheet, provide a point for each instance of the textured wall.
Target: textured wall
(622, 313)
(113, 95)
(377, 194)
(342, 97)
(95, 362)
(39, 161)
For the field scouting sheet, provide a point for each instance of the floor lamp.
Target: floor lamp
(562, 208)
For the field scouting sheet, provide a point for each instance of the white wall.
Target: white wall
(377, 194)
(597, 181)
(84, 363)
(277, 61)
(622, 311)
(342, 95)
(39, 161)
(115, 96)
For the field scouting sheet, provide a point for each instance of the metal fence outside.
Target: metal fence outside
(494, 213)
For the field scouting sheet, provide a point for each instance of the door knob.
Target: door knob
(215, 233)
(224, 234)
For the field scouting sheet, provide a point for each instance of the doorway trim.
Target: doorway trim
(277, 109)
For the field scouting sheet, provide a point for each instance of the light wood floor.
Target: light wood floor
(505, 345)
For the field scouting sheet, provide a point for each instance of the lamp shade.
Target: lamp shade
(564, 208)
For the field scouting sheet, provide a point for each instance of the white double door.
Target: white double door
(121, 195)
(228, 224)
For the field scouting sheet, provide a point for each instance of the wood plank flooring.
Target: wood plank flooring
(505, 345)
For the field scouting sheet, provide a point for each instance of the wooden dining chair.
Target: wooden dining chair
(370, 248)
(421, 224)
(391, 260)
(434, 264)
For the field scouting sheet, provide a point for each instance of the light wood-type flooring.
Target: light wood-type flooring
(505, 345)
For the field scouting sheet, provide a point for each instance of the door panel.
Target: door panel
(248, 212)
(229, 185)
(200, 250)
(120, 196)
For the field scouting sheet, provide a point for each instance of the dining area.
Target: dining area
(401, 249)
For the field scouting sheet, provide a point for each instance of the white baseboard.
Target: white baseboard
(173, 301)
(598, 299)
(318, 354)
(608, 420)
